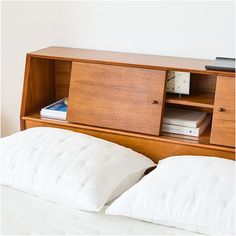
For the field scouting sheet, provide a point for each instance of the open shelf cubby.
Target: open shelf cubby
(200, 98)
(202, 92)
(49, 81)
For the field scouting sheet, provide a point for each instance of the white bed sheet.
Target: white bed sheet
(22, 213)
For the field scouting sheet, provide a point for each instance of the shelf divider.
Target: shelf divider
(195, 99)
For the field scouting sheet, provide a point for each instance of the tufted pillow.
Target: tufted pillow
(190, 192)
(73, 169)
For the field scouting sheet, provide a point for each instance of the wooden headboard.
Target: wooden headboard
(121, 97)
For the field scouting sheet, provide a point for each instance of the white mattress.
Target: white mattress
(22, 213)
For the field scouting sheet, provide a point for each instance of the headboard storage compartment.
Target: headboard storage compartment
(46, 81)
(201, 98)
(202, 92)
(122, 97)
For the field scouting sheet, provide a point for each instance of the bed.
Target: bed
(56, 181)
(85, 174)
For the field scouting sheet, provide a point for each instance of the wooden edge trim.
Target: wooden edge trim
(162, 139)
(25, 90)
(210, 72)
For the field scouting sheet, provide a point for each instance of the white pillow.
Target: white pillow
(190, 192)
(70, 168)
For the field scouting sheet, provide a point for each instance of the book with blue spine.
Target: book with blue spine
(56, 110)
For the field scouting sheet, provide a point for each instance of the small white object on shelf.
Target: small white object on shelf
(178, 82)
(57, 110)
(196, 132)
(183, 117)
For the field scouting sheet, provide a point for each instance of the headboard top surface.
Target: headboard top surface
(129, 59)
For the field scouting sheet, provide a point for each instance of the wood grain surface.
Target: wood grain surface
(223, 125)
(116, 97)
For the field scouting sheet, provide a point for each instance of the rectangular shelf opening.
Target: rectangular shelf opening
(49, 81)
(201, 92)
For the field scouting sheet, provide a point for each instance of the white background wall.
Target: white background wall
(180, 28)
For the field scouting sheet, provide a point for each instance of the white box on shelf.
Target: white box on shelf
(183, 117)
(178, 82)
(196, 132)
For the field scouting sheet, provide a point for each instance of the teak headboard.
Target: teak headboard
(121, 97)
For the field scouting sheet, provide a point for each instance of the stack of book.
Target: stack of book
(57, 110)
(185, 122)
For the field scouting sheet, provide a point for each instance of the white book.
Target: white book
(196, 132)
(57, 110)
(183, 117)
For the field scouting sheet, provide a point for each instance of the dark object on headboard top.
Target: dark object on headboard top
(222, 63)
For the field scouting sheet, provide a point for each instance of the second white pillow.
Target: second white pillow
(188, 192)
